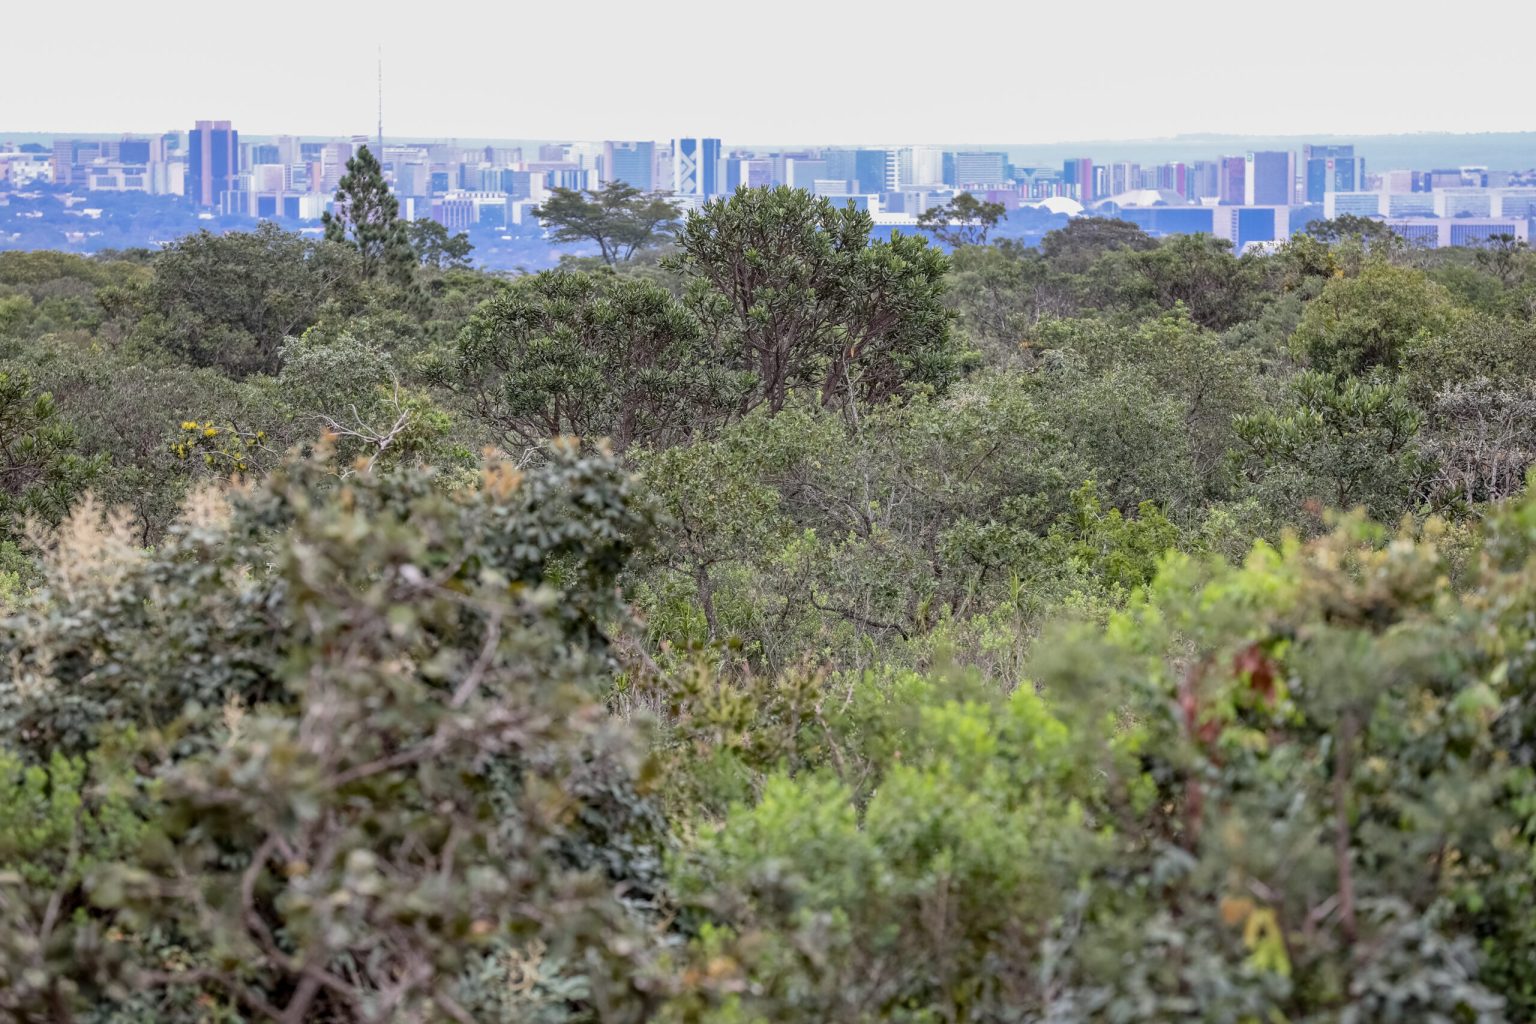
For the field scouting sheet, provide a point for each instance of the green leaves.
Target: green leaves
(1338, 444)
(367, 218)
(618, 218)
(1369, 320)
(590, 356)
(792, 288)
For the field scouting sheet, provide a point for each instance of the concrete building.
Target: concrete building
(633, 163)
(979, 170)
(1410, 204)
(213, 155)
(1269, 178)
(1442, 232)
(1246, 226)
(695, 167)
(1355, 204)
(1463, 203)
(1331, 169)
(1233, 187)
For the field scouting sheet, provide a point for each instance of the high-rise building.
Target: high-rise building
(1078, 176)
(63, 160)
(630, 162)
(1204, 180)
(800, 172)
(1233, 176)
(1331, 169)
(873, 169)
(1123, 177)
(1269, 178)
(979, 170)
(134, 151)
(695, 167)
(213, 149)
(921, 165)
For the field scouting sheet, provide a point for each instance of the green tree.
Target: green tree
(1336, 444)
(1370, 320)
(1219, 290)
(373, 758)
(618, 218)
(1001, 291)
(964, 220)
(591, 355)
(436, 248)
(42, 472)
(795, 286)
(367, 217)
(1369, 232)
(1075, 248)
(230, 301)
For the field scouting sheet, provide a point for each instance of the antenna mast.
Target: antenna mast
(381, 104)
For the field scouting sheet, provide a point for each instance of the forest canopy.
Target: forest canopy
(778, 624)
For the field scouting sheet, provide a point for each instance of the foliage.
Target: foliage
(1369, 320)
(1337, 444)
(618, 218)
(367, 218)
(436, 248)
(42, 472)
(370, 787)
(230, 301)
(982, 638)
(795, 286)
(964, 220)
(591, 355)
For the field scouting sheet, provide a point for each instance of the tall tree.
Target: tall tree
(367, 216)
(796, 286)
(619, 219)
(964, 220)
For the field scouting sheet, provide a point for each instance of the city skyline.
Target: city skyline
(498, 73)
(1250, 196)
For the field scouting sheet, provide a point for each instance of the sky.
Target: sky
(810, 71)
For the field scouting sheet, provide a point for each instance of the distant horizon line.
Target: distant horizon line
(6, 134)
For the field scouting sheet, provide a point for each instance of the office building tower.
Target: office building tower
(134, 151)
(63, 161)
(736, 173)
(333, 157)
(1269, 178)
(1233, 177)
(979, 170)
(874, 170)
(1078, 176)
(920, 166)
(1331, 169)
(630, 162)
(1122, 177)
(695, 167)
(1204, 180)
(1354, 204)
(213, 149)
(803, 172)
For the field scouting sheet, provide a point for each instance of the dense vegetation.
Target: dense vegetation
(777, 626)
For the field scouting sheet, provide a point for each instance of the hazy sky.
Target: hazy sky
(793, 70)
